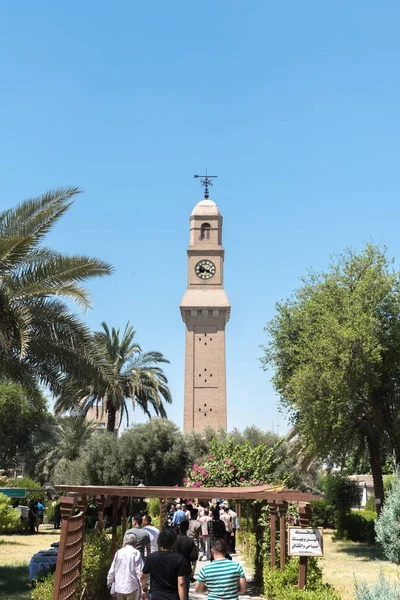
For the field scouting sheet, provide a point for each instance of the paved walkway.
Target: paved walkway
(248, 573)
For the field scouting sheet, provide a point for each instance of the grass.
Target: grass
(344, 560)
(15, 554)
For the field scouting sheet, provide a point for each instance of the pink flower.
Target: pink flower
(219, 481)
(207, 475)
(195, 467)
(209, 457)
(185, 480)
(241, 479)
(227, 462)
(176, 485)
(232, 468)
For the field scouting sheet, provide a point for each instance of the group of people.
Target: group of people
(35, 516)
(162, 564)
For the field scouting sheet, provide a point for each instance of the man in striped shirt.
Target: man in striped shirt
(223, 579)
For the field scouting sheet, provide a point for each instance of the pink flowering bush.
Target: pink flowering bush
(232, 465)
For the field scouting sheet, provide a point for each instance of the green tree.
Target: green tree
(21, 418)
(155, 452)
(98, 464)
(126, 373)
(71, 436)
(40, 339)
(387, 526)
(335, 348)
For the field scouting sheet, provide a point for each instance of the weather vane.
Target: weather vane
(206, 181)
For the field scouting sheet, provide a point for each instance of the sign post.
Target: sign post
(13, 492)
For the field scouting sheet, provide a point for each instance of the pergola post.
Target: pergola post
(100, 501)
(305, 511)
(114, 501)
(162, 512)
(282, 507)
(273, 508)
(124, 516)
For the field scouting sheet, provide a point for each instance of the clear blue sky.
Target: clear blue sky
(295, 105)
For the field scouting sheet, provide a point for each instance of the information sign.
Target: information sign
(13, 492)
(307, 541)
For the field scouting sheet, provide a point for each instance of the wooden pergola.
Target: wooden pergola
(76, 497)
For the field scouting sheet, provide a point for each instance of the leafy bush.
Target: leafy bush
(9, 517)
(388, 525)
(96, 563)
(359, 526)
(281, 584)
(322, 514)
(153, 507)
(370, 503)
(342, 494)
(382, 589)
(44, 589)
(27, 482)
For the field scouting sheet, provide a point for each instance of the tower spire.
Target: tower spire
(205, 180)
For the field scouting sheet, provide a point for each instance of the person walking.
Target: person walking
(167, 569)
(179, 516)
(152, 531)
(222, 579)
(235, 527)
(142, 536)
(203, 520)
(216, 530)
(227, 520)
(194, 533)
(125, 571)
(185, 546)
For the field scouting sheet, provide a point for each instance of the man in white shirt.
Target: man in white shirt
(152, 531)
(124, 574)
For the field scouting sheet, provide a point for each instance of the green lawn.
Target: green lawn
(14, 582)
(345, 560)
(15, 553)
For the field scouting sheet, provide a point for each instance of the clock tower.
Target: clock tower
(205, 310)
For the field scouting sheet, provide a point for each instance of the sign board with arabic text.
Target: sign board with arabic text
(305, 541)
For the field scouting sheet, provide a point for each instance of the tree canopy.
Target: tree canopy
(21, 418)
(124, 373)
(335, 348)
(40, 338)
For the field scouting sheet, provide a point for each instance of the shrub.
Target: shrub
(359, 526)
(153, 507)
(342, 494)
(44, 589)
(322, 514)
(9, 517)
(27, 482)
(382, 589)
(370, 503)
(388, 526)
(281, 584)
(96, 563)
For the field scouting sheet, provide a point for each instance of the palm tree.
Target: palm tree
(40, 339)
(70, 436)
(125, 373)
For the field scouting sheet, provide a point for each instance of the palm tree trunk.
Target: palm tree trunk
(376, 468)
(111, 414)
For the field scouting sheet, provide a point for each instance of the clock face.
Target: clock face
(205, 269)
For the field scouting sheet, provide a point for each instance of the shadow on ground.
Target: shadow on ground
(362, 552)
(14, 582)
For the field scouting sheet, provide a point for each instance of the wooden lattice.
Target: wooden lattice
(69, 560)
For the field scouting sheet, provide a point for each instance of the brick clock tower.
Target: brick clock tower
(205, 310)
